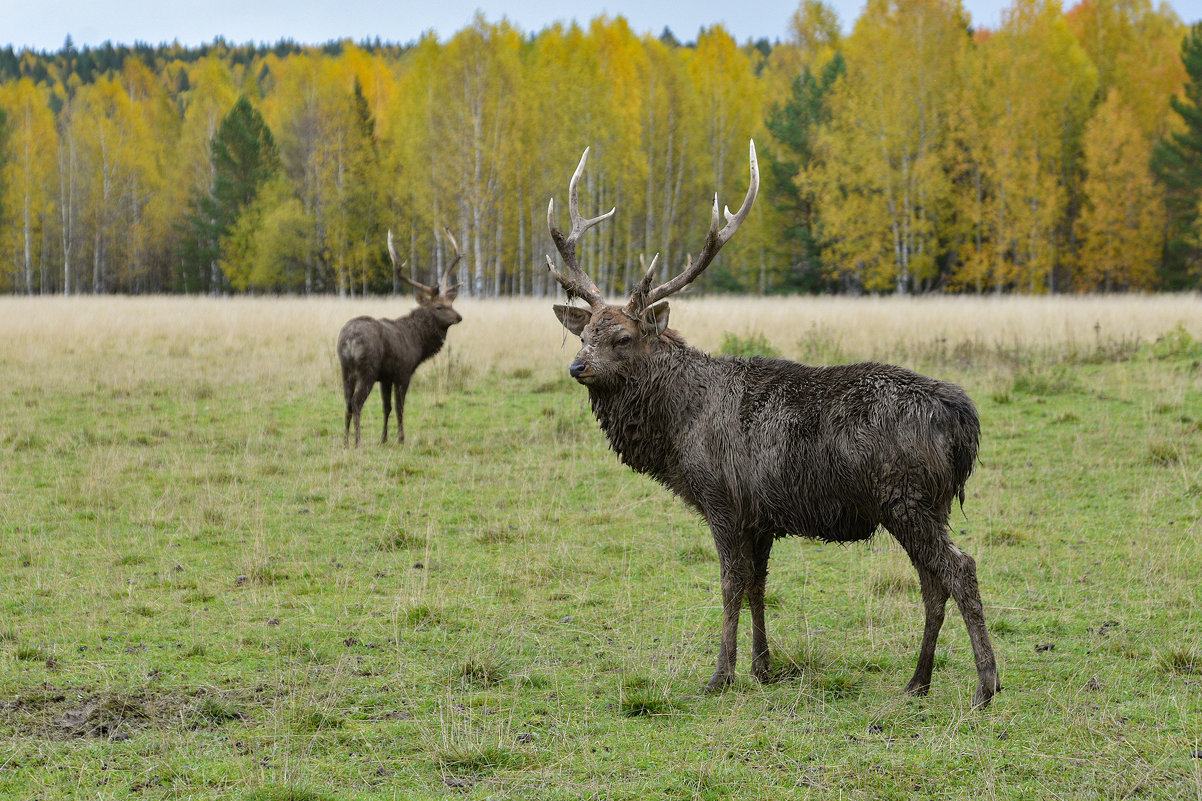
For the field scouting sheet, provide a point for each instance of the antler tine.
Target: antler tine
(400, 269)
(445, 281)
(638, 296)
(714, 240)
(576, 283)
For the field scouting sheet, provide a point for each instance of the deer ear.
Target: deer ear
(657, 317)
(573, 318)
(423, 298)
(451, 293)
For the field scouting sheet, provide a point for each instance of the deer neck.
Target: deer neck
(646, 414)
(431, 333)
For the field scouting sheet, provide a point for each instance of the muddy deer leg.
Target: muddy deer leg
(386, 395)
(957, 572)
(402, 387)
(348, 392)
(934, 601)
(362, 390)
(734, 584)
(761, 660)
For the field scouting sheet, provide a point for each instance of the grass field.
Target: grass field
(204, 595)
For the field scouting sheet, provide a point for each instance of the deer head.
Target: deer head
(612, 336)
(435, 298)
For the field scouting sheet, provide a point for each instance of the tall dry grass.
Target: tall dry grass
(292, 339)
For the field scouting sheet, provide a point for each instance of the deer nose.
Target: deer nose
(576, 367)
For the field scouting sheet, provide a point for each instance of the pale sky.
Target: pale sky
(45, 25)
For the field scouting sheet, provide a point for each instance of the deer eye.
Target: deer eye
(624, 339)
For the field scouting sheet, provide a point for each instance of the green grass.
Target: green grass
(204, 595)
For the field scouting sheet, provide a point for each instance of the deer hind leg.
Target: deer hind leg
(362, 390)
(934, 599)
(386, 394)
(932, 550)
(348, 392)
(761, 660)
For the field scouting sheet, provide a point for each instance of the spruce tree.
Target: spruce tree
(795, 126)
(243, 158)
(1177, 162)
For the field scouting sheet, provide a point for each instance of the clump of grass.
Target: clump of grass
(203, 391)
(482, 670)
(399, 540)
(808, 659)
(475, 758)
(1004, 536)
(1185, 661)
(130, 560)
(263, 571)
(315, 720)
(1175, 344)
(30, 653)
(1045, 382)
(1002, 626)
(289, 793)
(838, 684)
(496, 535)
(1164, 453)
(894, 579)
(639, 695)
(211, 711)
(451, 372)
(421, 616)
(755, 344)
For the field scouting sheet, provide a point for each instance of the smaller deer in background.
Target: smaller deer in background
(388, 351)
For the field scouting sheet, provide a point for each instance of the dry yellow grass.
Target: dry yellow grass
(292, 339)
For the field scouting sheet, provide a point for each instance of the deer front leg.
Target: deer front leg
(402, 387)
(735, 575)
(761, 660)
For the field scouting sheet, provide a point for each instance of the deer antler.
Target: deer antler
(644, 296)
(445, 281)
(400, 269)
(576, 283)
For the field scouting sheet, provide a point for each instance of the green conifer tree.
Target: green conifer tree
(1177, 162)
(794, 125)
(244, 157)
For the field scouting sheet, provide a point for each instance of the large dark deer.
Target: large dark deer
(388, 351)
(766, 448)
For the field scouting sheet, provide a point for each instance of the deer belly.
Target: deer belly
(832, 522)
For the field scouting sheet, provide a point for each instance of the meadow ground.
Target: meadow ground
(204, 595)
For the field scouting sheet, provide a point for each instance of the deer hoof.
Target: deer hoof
(718, 683)
(985, 693)
(917, 687)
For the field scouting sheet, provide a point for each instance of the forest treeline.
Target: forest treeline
(1060, 152)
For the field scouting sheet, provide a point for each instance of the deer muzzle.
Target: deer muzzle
(579, 370)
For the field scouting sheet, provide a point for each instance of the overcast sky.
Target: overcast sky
(45, 25)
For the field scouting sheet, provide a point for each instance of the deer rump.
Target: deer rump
(785, 449)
